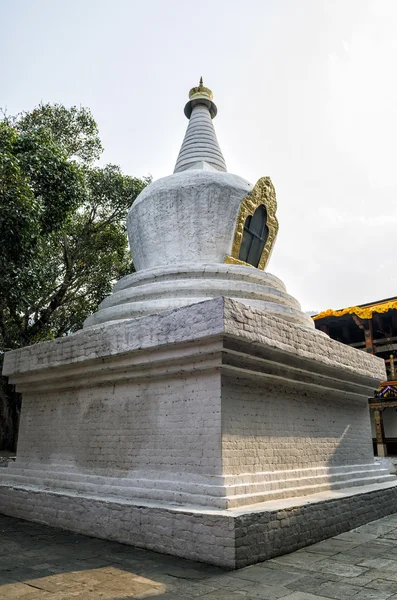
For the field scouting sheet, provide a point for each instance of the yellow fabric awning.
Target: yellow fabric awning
(364, 312)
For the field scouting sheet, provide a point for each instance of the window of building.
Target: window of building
(255, 236)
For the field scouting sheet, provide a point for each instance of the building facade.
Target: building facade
(372, 328)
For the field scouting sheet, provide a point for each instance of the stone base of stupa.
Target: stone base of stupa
(212, 432)
(231, 538)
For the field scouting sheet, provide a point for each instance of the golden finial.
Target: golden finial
(200, 95)
(200, 91)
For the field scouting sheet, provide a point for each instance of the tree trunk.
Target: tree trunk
(10, 408)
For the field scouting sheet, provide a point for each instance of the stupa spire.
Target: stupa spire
(200, 144)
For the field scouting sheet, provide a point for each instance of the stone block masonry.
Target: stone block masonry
(213, 432)
(261, 534)
(231, 539)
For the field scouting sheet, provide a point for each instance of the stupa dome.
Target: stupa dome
(200, 233)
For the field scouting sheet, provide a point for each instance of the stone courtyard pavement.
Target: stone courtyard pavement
(40, 563)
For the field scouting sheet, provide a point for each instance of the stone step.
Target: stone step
(87, 482)
(209, 271)
(271, 480)
(188, 498)
(312, 480)
(301, 473)
(202, 288)
(218, 496)
(212, 489)
(274, 474)
(290, 492)
(114, 491)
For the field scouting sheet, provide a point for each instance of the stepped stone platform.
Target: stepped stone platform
(162, 289)
(215, 431)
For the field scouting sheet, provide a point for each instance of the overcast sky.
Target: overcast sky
(306, 94)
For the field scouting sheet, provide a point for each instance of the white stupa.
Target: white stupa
(185, 233)
(199, 412)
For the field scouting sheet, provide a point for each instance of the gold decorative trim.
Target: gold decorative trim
(230, 260)
(263, 193)
(363, 312)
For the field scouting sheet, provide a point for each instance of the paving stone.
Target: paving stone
(378, 528)
(389, 542)
(189, 588)
(344, 557)
(41, 566)
(269, 576)
(391, 550)
(369, 576)
(354, 536)
(218, 595)
(173, 596)
(369, 550)
(391, 535)
(309, 584)
(338, 591)
(36, 595)
(275, 566)
(230, 582)
(380, 563)
(60, 582)
(77, 573)
(297, 559)
(21, 573)
(331, 546)
(16, 590)
(193, 573)
(304, 596)
(382, 574)
(383, 584)
(337, 568)
(6, 577)
(368, 594)
(265, 592)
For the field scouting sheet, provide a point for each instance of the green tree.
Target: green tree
(62, 226)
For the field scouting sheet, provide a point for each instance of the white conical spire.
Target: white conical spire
(200, 144)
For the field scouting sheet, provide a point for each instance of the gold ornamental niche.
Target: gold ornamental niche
(256, 227)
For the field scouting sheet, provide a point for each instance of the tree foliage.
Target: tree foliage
(73, 130)
(62, 226)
